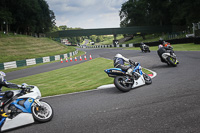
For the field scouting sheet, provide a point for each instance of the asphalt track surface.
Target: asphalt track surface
(171, 104)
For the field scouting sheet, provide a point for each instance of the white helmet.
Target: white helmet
(118, 55)
(159, 46)
(2, 74)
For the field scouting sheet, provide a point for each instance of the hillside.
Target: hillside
(23, 47)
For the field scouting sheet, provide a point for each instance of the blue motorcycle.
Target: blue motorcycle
(125, 82)
(25, 107)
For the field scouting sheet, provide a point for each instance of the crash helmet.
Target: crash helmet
(118, 56)
(2, 75)
(142, 43)
(160, 46)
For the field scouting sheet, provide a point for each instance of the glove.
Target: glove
(136, 63)
(19, 86)
(24, 85)
(131, 62)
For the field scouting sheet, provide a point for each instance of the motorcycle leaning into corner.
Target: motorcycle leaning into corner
(125, 82)
(25, 107)
(167, 54)
(144, 47)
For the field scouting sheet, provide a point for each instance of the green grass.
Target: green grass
(85, 76)
(109, 40)
(22, 47)
(176, 47)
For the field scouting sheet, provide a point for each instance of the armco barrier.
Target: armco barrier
(28, 62)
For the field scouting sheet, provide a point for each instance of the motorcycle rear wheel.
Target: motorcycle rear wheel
(172, 61)
(44, 113)
(121, 85)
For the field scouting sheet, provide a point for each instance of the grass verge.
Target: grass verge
(85, 76)
(23, 47)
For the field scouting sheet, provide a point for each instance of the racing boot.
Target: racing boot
(2, 113)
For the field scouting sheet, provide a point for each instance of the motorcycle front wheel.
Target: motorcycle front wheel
(43, 113)
(147, 79)
(172, 61)
(121, 85)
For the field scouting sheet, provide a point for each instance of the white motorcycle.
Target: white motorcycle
(167, 54)
(25, 107)
(144, 48)
(124, 82)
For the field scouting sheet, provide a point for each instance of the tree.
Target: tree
(5, 19)
(99, 39)
(156, 12)
(5, 16)
(93, 38)
(63, 27)
(185, 12)
(134, 13)
(27, 16)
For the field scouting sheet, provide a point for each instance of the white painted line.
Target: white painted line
(106, 86)
(98, 88)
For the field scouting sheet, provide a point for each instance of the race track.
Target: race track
(170, 104)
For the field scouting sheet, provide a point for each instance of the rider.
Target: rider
(142, 45)
(164, 48)
(119, 63)
(4, 96)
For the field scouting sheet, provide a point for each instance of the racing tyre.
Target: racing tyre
(43, 113)
(172, 61)
(121, 85)
(147, 79)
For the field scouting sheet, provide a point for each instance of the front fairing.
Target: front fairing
(138, 68)
(35, 93)
(27, 103)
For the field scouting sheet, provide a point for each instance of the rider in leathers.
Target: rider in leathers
(4, 96)
(119, 61)
(164, 49)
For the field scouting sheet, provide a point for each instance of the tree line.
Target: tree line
(77, 39)
(159, 12)
(26, 16)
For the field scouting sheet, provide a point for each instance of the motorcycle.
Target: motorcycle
(125, 82)
(144, 48)
(25, 107)
(169, 57)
